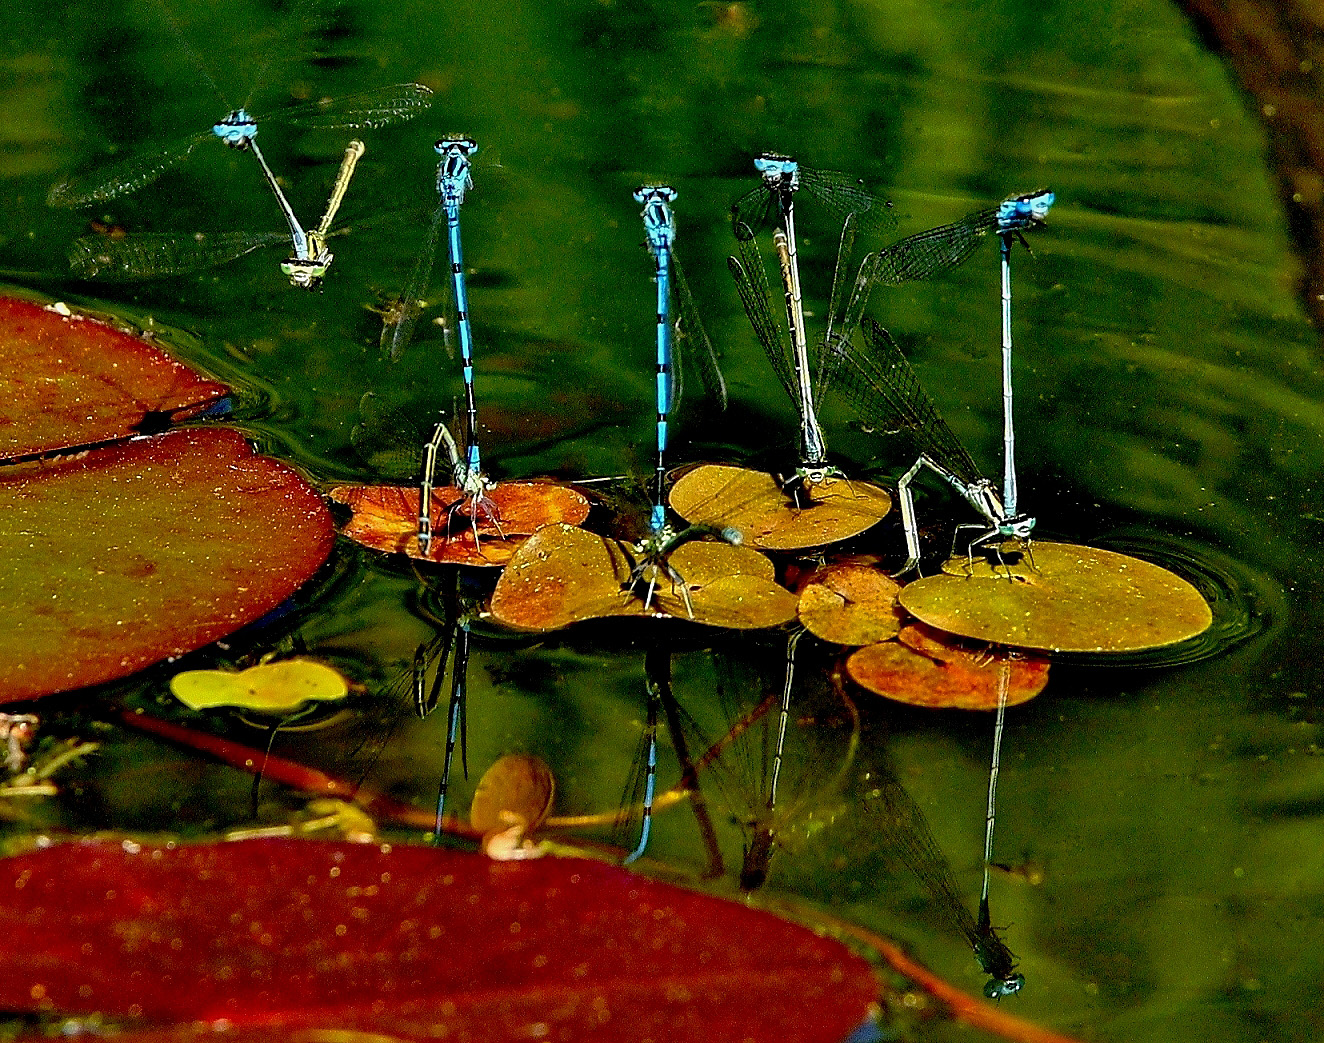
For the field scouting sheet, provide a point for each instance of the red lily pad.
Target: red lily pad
(302, 939)
(386, 519)
(928, 668)
(66, 381)
(114, 559)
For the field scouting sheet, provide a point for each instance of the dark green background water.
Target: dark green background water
(1168, 387)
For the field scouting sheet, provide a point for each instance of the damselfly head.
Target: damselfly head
(237, 129)
(1025, 211)
(659, 222)
(996, 988)
(456, 146)
(307, 274)
(654, 194)
(780, 172)
(1020, 526)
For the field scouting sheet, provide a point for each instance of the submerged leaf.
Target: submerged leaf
(386, 519)
(850, 605)
(517, 789)
(309, 940)
(923, 670)
(268, 687)
(66, 380)
(114, 559)
(754, 503)
(1062, 598)
(563, 575)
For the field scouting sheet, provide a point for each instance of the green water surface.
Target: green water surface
(1169, 400)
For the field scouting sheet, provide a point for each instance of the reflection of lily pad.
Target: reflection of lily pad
(922, 670)
(268, 687)
(563, 575)
(117, 558)
(69, 381)
(1069, 599)
(754, 503)
(850, 605)
(517, 789)
(386, 519)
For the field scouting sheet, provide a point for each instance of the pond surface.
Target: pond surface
(1161, 824)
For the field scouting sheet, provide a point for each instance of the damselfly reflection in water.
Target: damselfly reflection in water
(160, 255)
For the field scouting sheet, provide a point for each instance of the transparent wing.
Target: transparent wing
(396, 336)
(752, 284)
(366, 111)
(828, 359)
(887, 396)
(692, 340)
(387, 440)
(919, 257)
(843, 194)
(123, 176)
(158, 255)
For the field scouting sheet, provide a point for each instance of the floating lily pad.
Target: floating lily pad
(851, 605)
(335, 942)
(563, 575)
(1062, 598)
(66, 381)
(754, 503)
(517, 789)
(922, 670)
(114, 559)
(268, 687)
(386, 519)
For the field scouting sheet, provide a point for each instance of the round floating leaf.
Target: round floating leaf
(1061, 598)
(386, 519)
(321, 941)
(144, 550)
(66, 380)
(850, 605)
(563, 575)
(517, 789)
(754, 503)
(267, 688)
(923, 670)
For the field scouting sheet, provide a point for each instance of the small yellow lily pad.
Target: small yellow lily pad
(766, 516)
(563, 574)
(1061, 597)
(518, 789)
(268, 688)
(850, 605)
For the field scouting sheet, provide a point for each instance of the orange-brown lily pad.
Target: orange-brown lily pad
(562, 575)
(66, 381)
(386, 519)
(851, 605)
(518, 789)
(1061, 598)
(114, 559)
(922, 670)
(754, 503)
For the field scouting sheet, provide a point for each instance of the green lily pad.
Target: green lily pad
(268, 687)
(755, 504)
(562, 575)
(67, 381)
(1061, 598)
(114, 559)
